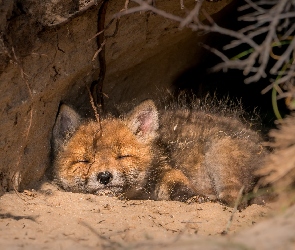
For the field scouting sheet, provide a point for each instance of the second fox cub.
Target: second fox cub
(171, 154)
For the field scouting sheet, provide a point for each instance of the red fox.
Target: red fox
(166, 154)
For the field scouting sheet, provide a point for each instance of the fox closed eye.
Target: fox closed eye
(119, 157)
(83, 161)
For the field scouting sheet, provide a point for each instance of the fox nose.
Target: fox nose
(104, 177)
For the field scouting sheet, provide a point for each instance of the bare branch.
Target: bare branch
(284, 57)
(255, 6)
(191, 15)
(215, 51)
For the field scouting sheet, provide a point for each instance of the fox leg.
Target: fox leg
(225, 162)
(174, 185)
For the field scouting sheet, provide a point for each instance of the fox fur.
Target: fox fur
(162, 154)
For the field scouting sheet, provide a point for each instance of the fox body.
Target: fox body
(169, 154)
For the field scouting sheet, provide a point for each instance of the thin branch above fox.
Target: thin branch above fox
(169, 154)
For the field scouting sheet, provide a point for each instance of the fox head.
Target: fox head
(110, 156)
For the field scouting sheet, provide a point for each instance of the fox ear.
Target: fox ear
(66, 123)
(143, 121)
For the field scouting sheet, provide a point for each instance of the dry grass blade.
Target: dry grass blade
(280, 166)
(238, 200)
(93, 105)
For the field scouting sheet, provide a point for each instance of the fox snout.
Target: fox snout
(104, 177)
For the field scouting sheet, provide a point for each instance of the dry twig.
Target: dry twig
(238, 200)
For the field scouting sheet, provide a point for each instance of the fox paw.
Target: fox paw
(199, 199)
(232, 198)
(175, 192)
(175, 186)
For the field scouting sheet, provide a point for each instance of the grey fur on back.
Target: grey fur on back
(214, 145)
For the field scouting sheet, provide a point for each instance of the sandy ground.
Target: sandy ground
(53, 219)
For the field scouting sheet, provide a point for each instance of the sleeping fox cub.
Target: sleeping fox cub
(171, 154)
